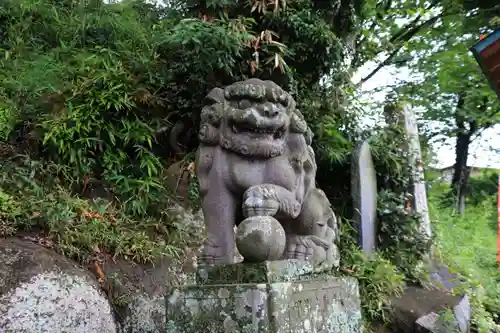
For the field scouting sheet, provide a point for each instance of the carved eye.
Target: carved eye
(244, 104)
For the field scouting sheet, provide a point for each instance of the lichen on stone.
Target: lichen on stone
(325, 305)
(56, 302)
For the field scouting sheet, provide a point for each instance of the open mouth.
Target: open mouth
(276, 133)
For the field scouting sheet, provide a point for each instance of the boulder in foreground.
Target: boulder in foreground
(42, 291)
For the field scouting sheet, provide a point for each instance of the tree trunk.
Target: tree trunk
(461, 171)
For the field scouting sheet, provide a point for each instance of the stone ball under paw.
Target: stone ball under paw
(260, 238)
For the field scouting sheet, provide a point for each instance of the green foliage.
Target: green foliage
(448, 83)
(468, 244)
(79, 83)
(90, 84)
(79, 228)
(387, 27)
(9, 209)
(87, 86)
(432, 40)
(484, 188)
(401, 254)
(379, 279)
(400, 235)
(194, 192)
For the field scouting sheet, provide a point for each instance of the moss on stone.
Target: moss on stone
(265, 272)
(324, 305)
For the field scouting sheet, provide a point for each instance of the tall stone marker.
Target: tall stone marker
(364, 193)
(406, 117)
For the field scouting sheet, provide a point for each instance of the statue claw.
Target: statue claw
(256, 203)
(299, 247)
(214, 255)
(324, 255)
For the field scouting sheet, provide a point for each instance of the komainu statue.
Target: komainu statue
(255, 168)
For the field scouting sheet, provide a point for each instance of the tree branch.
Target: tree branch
(406, 37)
(478, 134)
(404, 30)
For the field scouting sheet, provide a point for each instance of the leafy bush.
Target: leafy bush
(379, 279)
(9, 209)
(399, 231)
(89, 87)
(89, 84)
(401, 247)
(78, 228)
(483, 188)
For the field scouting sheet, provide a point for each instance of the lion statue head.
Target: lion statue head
(251, 117)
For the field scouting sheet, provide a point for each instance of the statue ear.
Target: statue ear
(215, 95)
(309, 136)
(292, 105)
(298, 123)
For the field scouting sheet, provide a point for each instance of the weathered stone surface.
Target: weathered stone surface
(264, 272)
(255, 159)
(276, 296)
(431, 311)
(138, 291)
(145, 314)
(442, 277)
(329, 305)
(260, 238)
(41, 291)
(364, 194)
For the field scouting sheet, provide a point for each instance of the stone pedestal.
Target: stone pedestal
(271, 297)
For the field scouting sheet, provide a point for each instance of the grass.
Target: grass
(468, 245)
(34, 203)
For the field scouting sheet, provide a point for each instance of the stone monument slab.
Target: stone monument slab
(321, 303)
(395, 114)
(364, 193)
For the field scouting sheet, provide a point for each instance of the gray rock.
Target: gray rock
(260, 238)
(139, 290)
(431, 311)
(146, 314)
(41, 291)
(364, 194)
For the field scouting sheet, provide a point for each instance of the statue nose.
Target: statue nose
(271, 112)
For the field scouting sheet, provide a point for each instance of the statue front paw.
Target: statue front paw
(214, 255)
(320, 252)
(258, 201)
(299, 247)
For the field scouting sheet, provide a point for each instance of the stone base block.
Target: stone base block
(431, 311)
(320, 305)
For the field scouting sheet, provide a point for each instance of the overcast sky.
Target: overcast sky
(484, 151)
